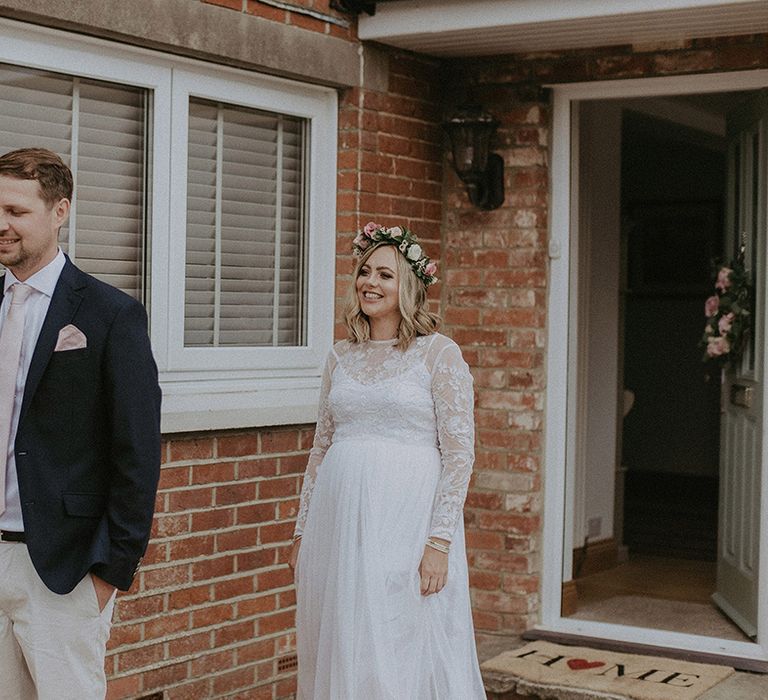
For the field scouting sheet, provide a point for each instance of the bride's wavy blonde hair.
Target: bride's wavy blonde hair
(415, 318)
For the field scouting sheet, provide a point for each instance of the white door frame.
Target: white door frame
(562, 301)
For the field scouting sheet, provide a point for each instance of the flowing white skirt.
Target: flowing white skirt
(364, 631)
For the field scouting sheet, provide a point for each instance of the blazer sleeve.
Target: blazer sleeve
(133, 401)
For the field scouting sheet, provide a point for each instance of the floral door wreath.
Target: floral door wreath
(728, 313)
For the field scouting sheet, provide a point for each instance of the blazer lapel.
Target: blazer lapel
(64, 303)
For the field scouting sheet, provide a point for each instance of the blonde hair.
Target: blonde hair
(415, 318)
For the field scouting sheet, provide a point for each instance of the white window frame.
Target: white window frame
(227, 387)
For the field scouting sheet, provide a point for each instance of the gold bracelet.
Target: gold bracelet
(439, 546)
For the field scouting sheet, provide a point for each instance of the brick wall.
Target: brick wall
(494, 298)
(211, 611)
(314, 15)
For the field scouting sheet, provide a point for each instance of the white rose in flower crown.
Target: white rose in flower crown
(395, 231)
(414, 252)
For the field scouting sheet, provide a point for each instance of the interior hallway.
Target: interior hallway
(659, 593)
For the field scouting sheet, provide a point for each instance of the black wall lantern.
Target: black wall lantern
(470, 130)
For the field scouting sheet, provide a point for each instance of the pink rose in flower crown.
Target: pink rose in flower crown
(362, 241)
(369, 229)
(431, 269)
(711, 306)
(723, 279)
(717, 347)
(725, 323)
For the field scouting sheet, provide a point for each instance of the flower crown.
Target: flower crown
(406, 242)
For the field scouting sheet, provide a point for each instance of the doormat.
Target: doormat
(549, 670)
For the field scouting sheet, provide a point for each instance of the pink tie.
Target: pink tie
(11, 336)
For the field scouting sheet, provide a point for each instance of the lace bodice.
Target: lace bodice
(420, 396)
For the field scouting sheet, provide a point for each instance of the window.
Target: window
(245, 227)
(193, 195)
(99, 129)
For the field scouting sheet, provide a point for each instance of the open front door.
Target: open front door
(742, 390)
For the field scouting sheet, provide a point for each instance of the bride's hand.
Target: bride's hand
(294, 554)
(433, 571)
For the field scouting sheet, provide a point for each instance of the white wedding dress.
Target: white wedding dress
(390, 466)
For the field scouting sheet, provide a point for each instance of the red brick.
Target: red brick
(241, 538)
(254, 7)
(188, 597)
(213, 519)
(211, 473)
(128, 609)
(213, 568)
(173, 477)
(256, 513)
(190, 691)
(213, 662)
(168, 526)
(239, 445)
(279, 532)
(279, 488)
(118, 688)
(279, 441)
(240, 678)
(231, 4)
(255, 651)
(147, 655)
(256, 606)
(229, 494)
(215, 615)
(235, 588)
(484, 580)
(171, 674)
(165, 576)
(258, 467)
(277, 578)
(189, 499)
(190, 547)
(274, 623)
(165, 625)
(189, 644)
(197, 448)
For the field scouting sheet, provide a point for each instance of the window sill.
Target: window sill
(197, 406)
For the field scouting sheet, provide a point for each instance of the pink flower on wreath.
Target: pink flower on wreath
(725, 323)
(711, 306)
(431, 269)
(718, 346)
(723, 279)
(370, 228)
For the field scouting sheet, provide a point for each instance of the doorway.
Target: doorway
(642, 425)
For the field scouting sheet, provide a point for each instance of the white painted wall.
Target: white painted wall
(600, 202)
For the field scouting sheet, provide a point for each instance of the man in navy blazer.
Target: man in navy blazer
(83, 456)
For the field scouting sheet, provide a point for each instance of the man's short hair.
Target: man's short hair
(53, 176)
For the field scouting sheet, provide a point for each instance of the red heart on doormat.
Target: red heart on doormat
(582, 664)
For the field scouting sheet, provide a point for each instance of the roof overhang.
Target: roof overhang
(489, 27)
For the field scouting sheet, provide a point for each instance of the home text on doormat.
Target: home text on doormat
(609, 673)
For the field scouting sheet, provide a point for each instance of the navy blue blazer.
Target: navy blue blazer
(88, 443)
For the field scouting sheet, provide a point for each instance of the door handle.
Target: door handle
(741, 395)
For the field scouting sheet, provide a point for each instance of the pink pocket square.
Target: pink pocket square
(70, 338)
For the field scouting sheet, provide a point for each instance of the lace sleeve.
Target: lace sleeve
(454, 404)
(320, 445)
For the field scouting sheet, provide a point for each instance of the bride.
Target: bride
(383, 609)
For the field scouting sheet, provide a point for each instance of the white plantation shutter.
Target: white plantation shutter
(99, 130)
(245, 227)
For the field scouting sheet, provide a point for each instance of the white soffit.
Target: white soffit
(488, 27)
